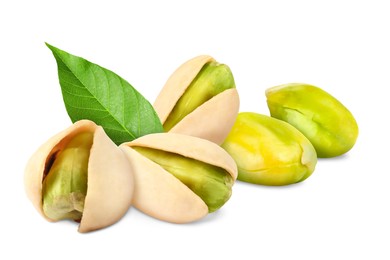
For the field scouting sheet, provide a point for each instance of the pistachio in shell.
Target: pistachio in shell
(179, 178)
(67, 178)
(199, 99)
(269, 151)
(324, 120)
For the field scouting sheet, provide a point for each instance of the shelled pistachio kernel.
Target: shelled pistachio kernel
(324, 120)
(269, 151)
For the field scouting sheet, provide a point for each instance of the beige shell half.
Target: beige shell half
(161, 195)
(110, 179)
(211, 121)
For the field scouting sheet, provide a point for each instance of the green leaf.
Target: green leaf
(95, 93)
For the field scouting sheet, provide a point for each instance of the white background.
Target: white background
(340, 212)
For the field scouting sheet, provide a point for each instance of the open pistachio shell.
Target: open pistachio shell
(161, 195)
(110, 180)
(213, 119)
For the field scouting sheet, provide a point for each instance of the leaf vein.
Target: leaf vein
(86, 108)
(77, 95)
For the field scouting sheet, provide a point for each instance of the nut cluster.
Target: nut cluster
(189, 171)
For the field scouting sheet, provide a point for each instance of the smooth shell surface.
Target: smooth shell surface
(161, 195)
(110, 180)
(212, 120)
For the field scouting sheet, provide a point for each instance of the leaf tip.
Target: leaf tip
(51, 47)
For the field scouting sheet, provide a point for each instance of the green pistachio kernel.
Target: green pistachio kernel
(65, 186)
(212, 184)
(269, 151)
(213, 79)
(324, 120)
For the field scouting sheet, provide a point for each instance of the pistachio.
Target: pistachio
(212, 184)
(211, 80)
(179, 178)
(65, 186)
(66, 178)
(199, 99)
(269, 151)
(324, 120)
